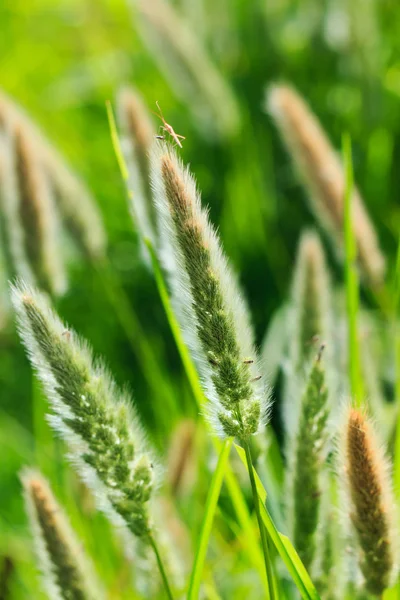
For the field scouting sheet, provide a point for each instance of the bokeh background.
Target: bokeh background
(61, 60)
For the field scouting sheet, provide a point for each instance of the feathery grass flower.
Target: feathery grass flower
(370, 499)
(323, 176)
(66, 570)
(38, 217)
(12, 235)
(310, 323)
(75, 203)
(90, 413)
(210, 306)
(138, 135)
(311, 300)
(309, 453)
(184, 61)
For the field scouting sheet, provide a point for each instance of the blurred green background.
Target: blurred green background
(62, 60)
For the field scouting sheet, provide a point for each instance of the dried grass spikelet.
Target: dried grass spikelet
(66, 570)
(307, 462)
(211, 309)
(185, 63)
(76, 205)
(38, 217)
(181, 471)
(323, 177)
(370, 500)
(95, 418)
(137, 138)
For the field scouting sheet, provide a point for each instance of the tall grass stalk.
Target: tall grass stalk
(263, 532)
(351, 276)
(209, 512)
(282, 544)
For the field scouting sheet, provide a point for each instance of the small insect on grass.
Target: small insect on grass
(168, 128)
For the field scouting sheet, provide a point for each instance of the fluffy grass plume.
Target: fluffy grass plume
(309, 453)
(38, 217)
(77, 207)
(210, 306)
(66, 571)
(369, 501)
(310, 322)
(311, 300)
(137, 138)
(186, 64)
(323, 176)
(91, 414)
(12, 235)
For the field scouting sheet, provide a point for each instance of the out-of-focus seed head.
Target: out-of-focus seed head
(323, 177)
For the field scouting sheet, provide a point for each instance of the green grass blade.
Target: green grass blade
(351, 276)
(116, 142)
(211, 505)
(282, 544)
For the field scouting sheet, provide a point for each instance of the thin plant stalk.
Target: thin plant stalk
(161, 567)
(283, 545)
(263, 533)
(351, 275)
(209, 512)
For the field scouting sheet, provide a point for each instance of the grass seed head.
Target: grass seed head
(95, 418)
(323, 177)
(38, 217)
(137, 138)
(370, 501)
(210, 306)
(66, 570)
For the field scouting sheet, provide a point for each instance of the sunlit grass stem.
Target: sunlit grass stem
(351, 276)
(263, 533)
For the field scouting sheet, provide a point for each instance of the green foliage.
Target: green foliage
(208, 64)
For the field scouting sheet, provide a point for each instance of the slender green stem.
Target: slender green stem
(161, 567)
(263, 533)
(352, 287)
(211, 505)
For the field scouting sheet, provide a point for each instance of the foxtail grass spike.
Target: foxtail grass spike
(91, 414)
(209, 304)
(308, 460)
(66, 571)
(184, 61)
(311, 301)
(369, 500)
(137, 138)
(38, 217)
(75, 203)
(12, 235)
(310, 318)
(323, 176)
